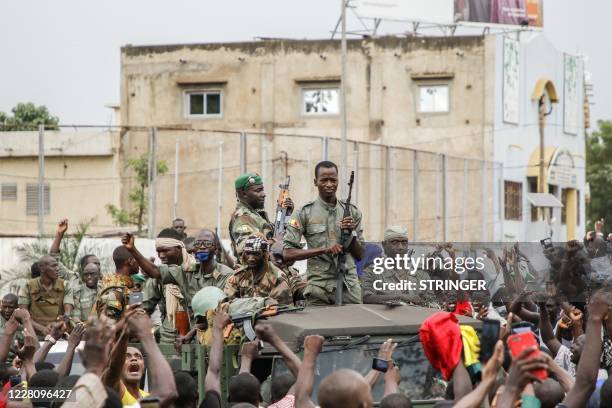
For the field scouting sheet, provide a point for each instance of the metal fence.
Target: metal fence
(437, 197)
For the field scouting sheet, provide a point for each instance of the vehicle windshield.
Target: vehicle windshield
(419, 380)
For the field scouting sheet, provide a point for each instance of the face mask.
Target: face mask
(202, 256)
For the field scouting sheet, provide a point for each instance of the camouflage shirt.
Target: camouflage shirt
(244, 222)
(393, 276)
(319, 224)
(114, 294)
(271, 283)
(81, 297)
(18, 336)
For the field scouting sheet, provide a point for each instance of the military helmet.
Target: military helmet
(206, 298)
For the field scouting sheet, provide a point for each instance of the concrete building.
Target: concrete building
(429, 120)
(81, 176)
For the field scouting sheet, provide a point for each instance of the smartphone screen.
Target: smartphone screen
(488, 339)
(135, 298)
(379, 364)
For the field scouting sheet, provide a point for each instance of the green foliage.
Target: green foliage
(138, 195)
(599, 173)
(27, 116)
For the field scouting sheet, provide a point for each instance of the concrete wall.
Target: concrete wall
(514, 144)
(262, 83)
(82, 170)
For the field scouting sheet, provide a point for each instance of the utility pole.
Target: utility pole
(152, 180)
(176, 178)
(220, 191)
(41, 180)
(343, 127)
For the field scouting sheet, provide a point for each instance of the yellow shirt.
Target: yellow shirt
(128, 399)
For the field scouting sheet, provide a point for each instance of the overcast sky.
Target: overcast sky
(65, 53)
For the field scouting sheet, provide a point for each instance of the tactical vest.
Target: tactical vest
(45, 307)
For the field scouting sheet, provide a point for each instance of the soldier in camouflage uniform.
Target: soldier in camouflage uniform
(81, 294)
(250, 216)
(20, 319)
(54, 250)
(258, 277)
(320, 222)
(113, 298)
(395, 243)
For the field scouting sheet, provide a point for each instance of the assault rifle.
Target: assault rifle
(345, 239)
(281, 212)
(247, 320)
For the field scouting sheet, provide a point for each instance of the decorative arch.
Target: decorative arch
(545, 84)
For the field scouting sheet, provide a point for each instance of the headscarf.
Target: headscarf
(188, 259)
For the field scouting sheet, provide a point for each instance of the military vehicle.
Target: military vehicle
(353, 334)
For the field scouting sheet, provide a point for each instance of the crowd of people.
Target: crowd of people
(190, 296)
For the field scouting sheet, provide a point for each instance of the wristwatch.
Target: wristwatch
(50, 339)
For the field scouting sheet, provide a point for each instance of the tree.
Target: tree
(27, 116)
(599, 173)
(137, 196)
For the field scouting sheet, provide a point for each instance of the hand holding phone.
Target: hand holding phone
(519, 342)
(379, 364)
(488, 338)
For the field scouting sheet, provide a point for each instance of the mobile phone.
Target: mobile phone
(522, 327)
(519, 342)
(135, 298)
(15, 380)
(488, 338)
(379, 364)
(149, 402)
(546, 243)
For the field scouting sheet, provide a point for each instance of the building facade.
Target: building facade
(433, 124)
(81, 176)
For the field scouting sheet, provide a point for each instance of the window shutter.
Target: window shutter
(9, 191)
(32, 199)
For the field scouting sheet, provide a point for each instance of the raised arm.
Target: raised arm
(313, 345)
(57, 331)
(392, 380)
(546, 330)
(26, 354)
(384, 353)
(489, 375)
(159, 369)
(212, 382)
(266, 333)
(62, 227)
(248, 353)
(112, 372)
(63, 368)
(6, 341)
(588, 366)
(147, 266)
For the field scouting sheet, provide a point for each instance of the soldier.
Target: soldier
(258, 277)
(44, 296)
(250, 216)
(115, 289)
(21, 319)
(81, 294)
(210, 272)
(179, 277)
(395, 243)
(64, 273)
(178, 224)
(320, 222)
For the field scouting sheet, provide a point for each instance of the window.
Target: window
(564, 208)
(532, 183)
(320, 101)
(9, 191)
(32, 199)
(204, 103)
(433, 98)
(513, 204)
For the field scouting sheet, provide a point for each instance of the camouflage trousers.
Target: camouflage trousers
(322, 296)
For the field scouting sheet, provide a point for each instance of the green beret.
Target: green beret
(247, 179)
(137, 277)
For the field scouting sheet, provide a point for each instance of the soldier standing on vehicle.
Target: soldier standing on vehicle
(250, 216)
(395, 243)
(320, 222)
(258, 276)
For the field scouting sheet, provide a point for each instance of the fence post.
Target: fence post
(41, 180)
(325, 148)
(243, 152)
(356, 170)
(484, 201)
(444, 198)
(220, 190)
(415, 195)
(152, 180)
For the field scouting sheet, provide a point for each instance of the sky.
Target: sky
(65, 53)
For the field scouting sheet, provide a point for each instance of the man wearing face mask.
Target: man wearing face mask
(395, 244)
(258, 276)
(208, 272)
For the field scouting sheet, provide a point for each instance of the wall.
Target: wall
(82, 170)
(514, 144)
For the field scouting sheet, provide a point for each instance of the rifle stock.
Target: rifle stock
(281, 212)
